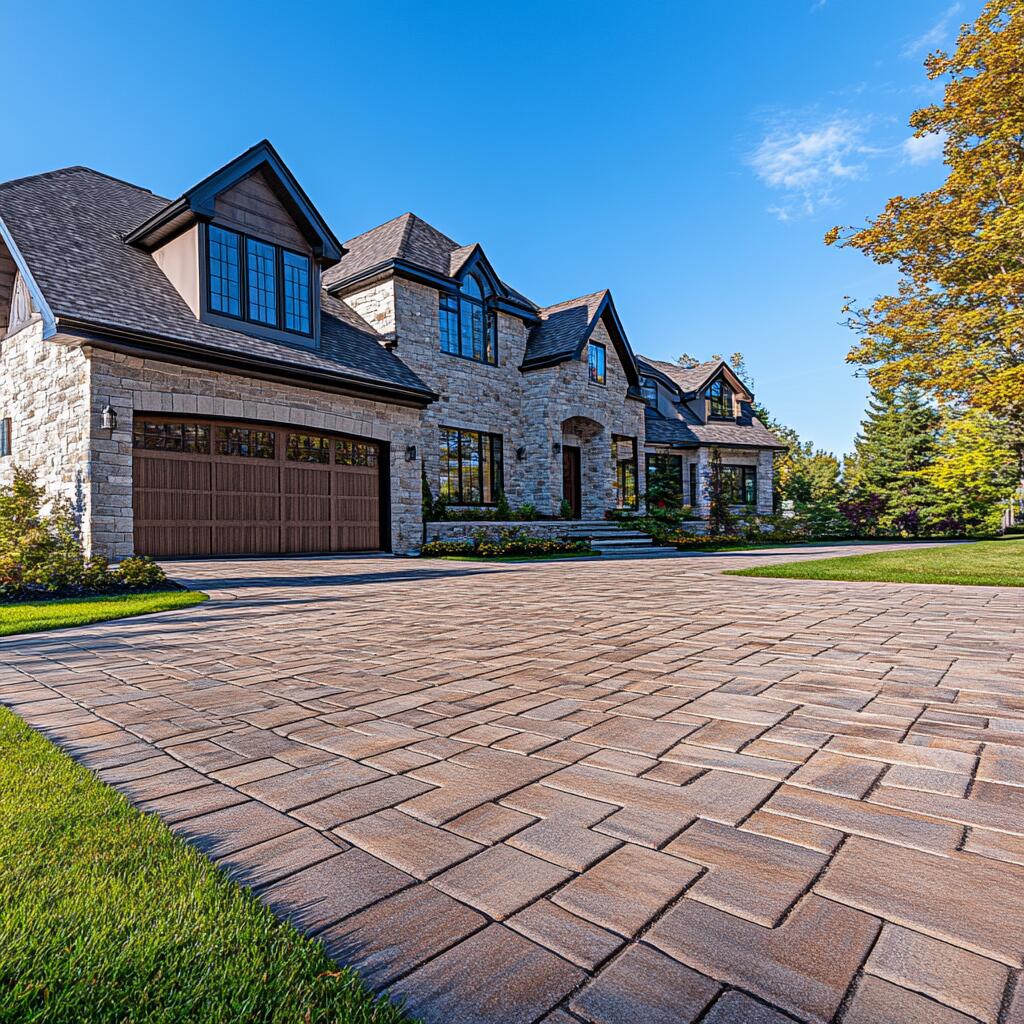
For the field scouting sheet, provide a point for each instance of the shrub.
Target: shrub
(511, 541)
(526, 513)
(41, 554)
(565, 509)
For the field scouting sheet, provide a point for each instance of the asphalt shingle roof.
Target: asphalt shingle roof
(562, 329)
(688, 378)
(69, 225)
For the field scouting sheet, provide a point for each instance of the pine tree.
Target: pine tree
(898, 441)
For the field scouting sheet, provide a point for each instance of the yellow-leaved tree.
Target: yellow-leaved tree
(955, 326)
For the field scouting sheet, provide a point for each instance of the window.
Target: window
(739, 483)
(297, 300)
(472, 471)
(260, 262)
(448, 314)
(694, 492)
(595, 362)
(259, 282)
(355, 453)
(225, 272)
(467, 326)
(649, 391)
(171, 437)
(241, 441)
(720, 400)
(5, 435)
(624, 451)
(308, 448)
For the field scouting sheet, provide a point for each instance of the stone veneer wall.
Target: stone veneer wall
(134, 385)
(763, 459)
(564, 392)
(44, 389)
(528, 410)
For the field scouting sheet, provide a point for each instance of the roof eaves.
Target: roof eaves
(49, 320)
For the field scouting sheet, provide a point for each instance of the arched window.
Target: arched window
(468, 324)
(720, 400)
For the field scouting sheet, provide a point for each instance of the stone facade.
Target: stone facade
(533, 411)
(44, 390)
(762, 459)
(134, 385)
(547, 528)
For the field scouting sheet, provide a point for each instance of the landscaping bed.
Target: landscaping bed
(504, 543)
(994, 563)
(107, 917)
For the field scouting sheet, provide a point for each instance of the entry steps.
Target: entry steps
(610, 539)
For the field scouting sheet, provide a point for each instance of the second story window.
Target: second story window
(249, 279)
(596, 362)
(649, 391)
(467, 326)
(720, 400)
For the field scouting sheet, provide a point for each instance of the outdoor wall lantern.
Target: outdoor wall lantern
(520, 453)
(108, 418)
(556, 448)
(410, 453)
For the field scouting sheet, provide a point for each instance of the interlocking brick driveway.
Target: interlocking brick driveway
(602, 791)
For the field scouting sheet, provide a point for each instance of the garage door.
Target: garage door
(207, 487)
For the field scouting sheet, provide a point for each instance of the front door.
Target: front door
(571, 479)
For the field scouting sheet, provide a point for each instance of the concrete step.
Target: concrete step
(620, 542)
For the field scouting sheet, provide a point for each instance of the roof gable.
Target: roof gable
(200, 203)
(691, 379)
(566, 327)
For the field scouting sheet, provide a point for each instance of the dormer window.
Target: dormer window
(263, 283)
(468, 326)
(720, 400)
(649, 391)
(596, 363)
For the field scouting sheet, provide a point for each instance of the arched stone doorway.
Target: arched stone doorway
(587, 480)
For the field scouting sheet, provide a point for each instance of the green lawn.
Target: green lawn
(107, 918)
(31, 616)
(991, 563)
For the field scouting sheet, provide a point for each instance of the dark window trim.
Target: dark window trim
(497, 465)
(243, 284)
(621, 465)
(743, 473)
(490, 322)
(5, 436)
(598, 346)
(713, 414)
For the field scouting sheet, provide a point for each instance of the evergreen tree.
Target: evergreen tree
(898, 441)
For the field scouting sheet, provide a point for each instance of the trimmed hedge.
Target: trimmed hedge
(515, 541)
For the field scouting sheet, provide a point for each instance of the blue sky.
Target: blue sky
(690, 156)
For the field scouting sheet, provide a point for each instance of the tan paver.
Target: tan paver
(612, 790)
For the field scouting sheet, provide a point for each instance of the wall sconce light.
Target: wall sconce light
(108, 418)
(556, 448)
(410, 453)
(520, 453)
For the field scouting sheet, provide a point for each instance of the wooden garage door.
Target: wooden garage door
(207, 487)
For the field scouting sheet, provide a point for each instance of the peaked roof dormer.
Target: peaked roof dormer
(198, 203)
(690, 380)
(566, 327)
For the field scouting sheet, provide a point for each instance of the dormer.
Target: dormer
(245, 249)
(721, 396)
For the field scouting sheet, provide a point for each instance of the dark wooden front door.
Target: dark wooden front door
(208, 487)
(571, 489)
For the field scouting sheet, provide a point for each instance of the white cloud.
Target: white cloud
(924, 149)
(804, 164)
(933, 37)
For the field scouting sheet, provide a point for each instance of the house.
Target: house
(694, 409)
(219, 374)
